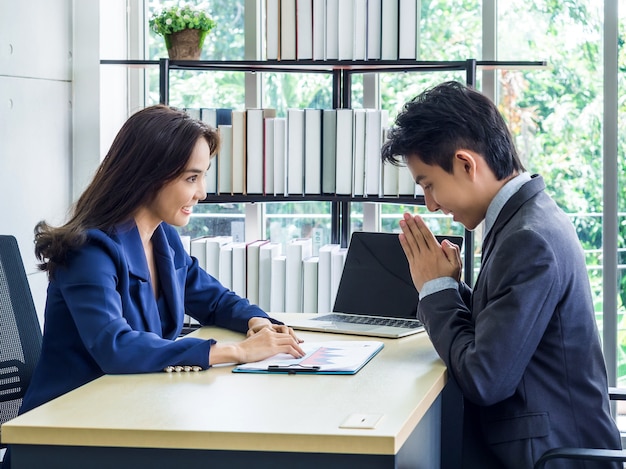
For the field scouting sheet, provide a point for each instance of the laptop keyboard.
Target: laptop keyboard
(393, 322)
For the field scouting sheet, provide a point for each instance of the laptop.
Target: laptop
(376, 296)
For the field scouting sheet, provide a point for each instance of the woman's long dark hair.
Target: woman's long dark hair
(151, 149)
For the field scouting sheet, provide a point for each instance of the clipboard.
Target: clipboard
(337, 357)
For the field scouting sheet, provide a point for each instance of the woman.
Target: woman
(120, 280)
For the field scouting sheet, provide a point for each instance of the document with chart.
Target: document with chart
(333, 357)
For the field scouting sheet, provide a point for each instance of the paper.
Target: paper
(341, 357)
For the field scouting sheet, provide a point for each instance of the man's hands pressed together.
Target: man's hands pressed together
(427, 258)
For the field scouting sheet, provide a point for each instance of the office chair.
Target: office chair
(586, 454)
(20, 332)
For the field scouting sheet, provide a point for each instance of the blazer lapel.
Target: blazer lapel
(140, 284)
(168, 278)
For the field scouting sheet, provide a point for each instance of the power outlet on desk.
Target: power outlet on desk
(361, 421)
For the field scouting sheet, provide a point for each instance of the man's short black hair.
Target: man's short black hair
(447, 118)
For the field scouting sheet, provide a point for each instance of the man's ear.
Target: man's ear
(466, 162)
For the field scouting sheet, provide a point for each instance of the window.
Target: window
(557, 117)
(556, 114)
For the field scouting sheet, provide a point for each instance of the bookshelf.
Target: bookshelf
(342, 72)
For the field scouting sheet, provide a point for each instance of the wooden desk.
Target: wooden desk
(217, 418)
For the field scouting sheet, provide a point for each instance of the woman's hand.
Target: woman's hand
(258, 323)
(259, 345)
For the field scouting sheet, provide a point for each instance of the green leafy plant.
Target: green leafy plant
(177, 18)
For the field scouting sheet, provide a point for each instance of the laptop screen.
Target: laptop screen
(376, 280)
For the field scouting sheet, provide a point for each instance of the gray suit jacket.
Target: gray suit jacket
(523, 346)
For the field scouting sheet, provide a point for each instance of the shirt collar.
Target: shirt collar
(501, 198)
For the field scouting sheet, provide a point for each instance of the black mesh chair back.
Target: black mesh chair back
(20, 332)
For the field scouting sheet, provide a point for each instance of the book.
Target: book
(272, 29)
(280, 156)
(418, 22)
(225, 160)
(295, 151)
(254, 151)
(304, 29)
(255, 146)
(344, 155)
(345, 34)
(224, 116)
(253, 250)
(332, 357)
(312, 151)
(389, 30)
(288, 29)
(193, 112)
(226, 265)
(277, 284)
(267, 253)
(224, 169)
(309, 284)
(407, 29)
(359, 37)
(332, 29)
(213, 245)
(239, 152)
(239, 268)
(209, 116)
(406, 183)
(197, 249)
(319, 29)
(268, 156)
(269, 114)
(391, 173)
(358, 169)
(324, 304)
(296, 250)
(374, 12)
(373, 144)
(329, 150)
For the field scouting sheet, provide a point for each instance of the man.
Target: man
(523, 345)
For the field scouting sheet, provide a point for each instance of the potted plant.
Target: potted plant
(184, 29)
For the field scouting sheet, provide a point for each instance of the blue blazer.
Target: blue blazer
(523, 346)
(102, 317)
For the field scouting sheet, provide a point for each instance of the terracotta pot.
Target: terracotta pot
(185, 44)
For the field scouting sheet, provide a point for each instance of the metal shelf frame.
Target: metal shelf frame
(342, 72)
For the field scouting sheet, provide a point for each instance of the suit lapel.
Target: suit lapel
(517, 200)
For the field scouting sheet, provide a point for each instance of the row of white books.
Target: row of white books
(310, 151)
(293, 281)
(342, 29)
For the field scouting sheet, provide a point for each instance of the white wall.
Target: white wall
(115, 98)
(37, 108)
(86, 93)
